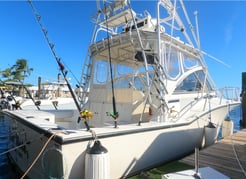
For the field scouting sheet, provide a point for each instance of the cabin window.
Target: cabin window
(189, 62)
(121, 83)
(201, 76)
(172, 63)
(138, 84)
(123, 70)
(123, 76)
(101, 72)
(128, 82)
(194, 82)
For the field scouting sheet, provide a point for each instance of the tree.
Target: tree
(18, 72)
(6, 73)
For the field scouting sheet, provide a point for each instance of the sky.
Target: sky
(221, 30)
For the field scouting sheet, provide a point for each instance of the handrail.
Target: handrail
(230, 94)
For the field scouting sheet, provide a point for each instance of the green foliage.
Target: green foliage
(6, 73)
(18, 72)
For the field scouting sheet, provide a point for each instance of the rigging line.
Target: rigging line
(58, 60)
(216, 59)
(19, 146)
(115, 113)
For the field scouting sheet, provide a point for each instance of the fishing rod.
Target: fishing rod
(62, 69)
(4, 103)
(17, 104)
(2, 93)
(36, 103)
(114, 114)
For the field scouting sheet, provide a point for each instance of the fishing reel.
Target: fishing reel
(85, 114)
(113, 115)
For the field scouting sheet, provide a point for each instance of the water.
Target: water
(6, 171)
(236, 116)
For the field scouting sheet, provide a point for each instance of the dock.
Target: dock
(227, 156)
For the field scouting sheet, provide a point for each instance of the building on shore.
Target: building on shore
(50, 90)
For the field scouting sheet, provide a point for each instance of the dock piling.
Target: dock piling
(243, 98)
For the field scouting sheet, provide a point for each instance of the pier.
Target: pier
(226, 156)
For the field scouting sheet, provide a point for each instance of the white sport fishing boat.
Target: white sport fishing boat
(146, 96)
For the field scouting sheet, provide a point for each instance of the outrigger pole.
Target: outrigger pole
(61, 66)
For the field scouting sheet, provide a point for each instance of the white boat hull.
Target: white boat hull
(131, 148)
(140, 74)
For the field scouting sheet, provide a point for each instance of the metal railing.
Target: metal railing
(231, 94)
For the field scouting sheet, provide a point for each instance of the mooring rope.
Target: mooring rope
(234, 150)
(39, 154)
(237, 158)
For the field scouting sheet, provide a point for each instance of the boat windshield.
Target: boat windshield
(172, 63)
(177, 62)
(194, 82)
(128, 77)
(124, 76)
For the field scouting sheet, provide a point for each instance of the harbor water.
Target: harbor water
(6, 170)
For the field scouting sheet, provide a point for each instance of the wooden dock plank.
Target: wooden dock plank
(225, 156)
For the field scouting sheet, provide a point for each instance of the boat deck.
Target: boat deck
(226, 156)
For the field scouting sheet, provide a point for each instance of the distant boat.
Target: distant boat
(52, 95)
(146, 95)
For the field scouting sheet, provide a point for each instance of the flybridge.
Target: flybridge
(118, 19)
(146, 24)
(117, 14)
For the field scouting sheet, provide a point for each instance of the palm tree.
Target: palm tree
(21, 70)
(17, 73)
